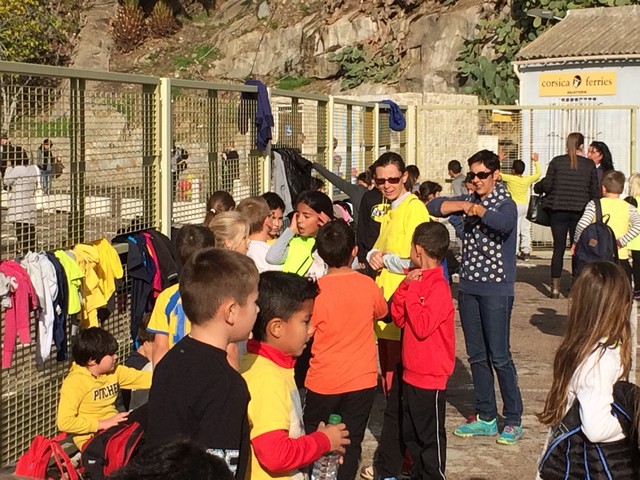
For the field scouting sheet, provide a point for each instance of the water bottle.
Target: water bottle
(326, 467)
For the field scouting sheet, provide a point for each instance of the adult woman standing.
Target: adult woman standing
(600, 154)
(570, 183)
(404, 213)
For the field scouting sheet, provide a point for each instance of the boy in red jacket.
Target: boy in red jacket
(422, 306)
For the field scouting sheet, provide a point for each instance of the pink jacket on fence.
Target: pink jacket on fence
(23, 301)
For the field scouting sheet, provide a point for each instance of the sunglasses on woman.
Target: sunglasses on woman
(391, 180)
(480, 175)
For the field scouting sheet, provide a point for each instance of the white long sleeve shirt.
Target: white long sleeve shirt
(592, 384)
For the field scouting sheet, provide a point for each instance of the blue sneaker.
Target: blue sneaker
(477, 428)
(510, 435)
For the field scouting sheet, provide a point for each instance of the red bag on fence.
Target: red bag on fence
(34, 462)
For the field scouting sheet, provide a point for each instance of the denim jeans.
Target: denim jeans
(486, 323)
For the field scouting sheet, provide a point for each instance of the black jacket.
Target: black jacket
(569, 189)
(368, 228)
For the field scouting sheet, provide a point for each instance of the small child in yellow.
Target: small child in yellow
(279, 446)
(88, 394)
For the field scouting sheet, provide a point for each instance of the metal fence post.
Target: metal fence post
(632, 140)
(166, 144)
(151, 190)
(329, 139)
(411, 134)
(376, 130)
(77, 135)
(212, 154)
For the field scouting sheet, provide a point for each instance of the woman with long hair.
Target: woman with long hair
(600, 154)
(570, 183)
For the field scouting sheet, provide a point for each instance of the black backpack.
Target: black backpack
(570, 454)
(597, 242)
(110, 449)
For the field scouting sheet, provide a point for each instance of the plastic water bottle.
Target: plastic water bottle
(326, 467)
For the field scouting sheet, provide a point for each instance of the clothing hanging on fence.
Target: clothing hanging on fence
(60, 309)
(167, 258)
(397, 122)
(24, 300)
(46, 319)
(263, 117)
(74, 276)
(292, 175)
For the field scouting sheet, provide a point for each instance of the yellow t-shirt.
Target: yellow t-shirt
(635, 243)
(395, 236)
(518, 187)
(175, 324)
(85, 399)
(618, 211)
(275, 405)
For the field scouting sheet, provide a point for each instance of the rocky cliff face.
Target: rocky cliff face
(266, 40)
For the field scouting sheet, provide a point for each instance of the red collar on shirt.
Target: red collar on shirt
(267, 351)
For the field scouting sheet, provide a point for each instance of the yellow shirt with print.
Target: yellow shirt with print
(518, 187)
(396, 231)
(170, 325)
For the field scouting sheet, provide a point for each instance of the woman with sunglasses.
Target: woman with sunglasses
(600, 154)
(570, 183)
(402, 215)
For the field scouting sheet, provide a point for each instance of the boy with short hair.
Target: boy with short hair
(624, 218)
(280, 334)
(276, 212)
(343, 371)
(196, 393)
(454, 169)
(256, 211)
(422, 306)
(88, 394)
(140, 359)
(518, 186)
(168, 321)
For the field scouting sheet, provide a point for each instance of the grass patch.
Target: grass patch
(202, 55)
(292, 83)
(58, 127)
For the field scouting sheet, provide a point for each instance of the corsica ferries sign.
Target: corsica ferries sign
(578, 83)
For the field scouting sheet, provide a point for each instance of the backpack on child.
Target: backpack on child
(35, 462)
(597, 242)
(570, 454)
(110, 449)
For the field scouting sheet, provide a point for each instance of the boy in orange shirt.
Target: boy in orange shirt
(343, 371)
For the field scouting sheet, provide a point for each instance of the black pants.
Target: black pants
(627, 269)
(26, 235)
(424, 431)
(635, 257)
(562, 222)
(387, 461)
(355, 408)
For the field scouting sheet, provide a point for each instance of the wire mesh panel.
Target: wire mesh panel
(389, 139)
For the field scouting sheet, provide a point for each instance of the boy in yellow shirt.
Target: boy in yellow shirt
(89, 393)
(518, 187)
(623, 218)
(279, 446)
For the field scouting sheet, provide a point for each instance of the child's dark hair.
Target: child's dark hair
(366, 177)
(518, 167)
(191, 239)
(281, 295)
(454, 166)
(433, 237)
(274, 201)
(145, 335)
(176, 460)
(613, 181)
(212, 276)
(219, 202)
(428, 188)
(335, 242)
(93, 343)
(317, 201)
(317, 184)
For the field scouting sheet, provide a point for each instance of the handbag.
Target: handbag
(536, 213)
(57, 168)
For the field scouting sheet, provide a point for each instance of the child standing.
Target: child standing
(276, 213)
(634, 245)
(256, 212)
(197, 394)
(623, 218)
(282, 330)
(89, 393)
(295, 249)
(422, 306)
(343, 375)
(594, 354)
(518, 187)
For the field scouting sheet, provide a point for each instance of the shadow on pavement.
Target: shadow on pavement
(460, 389)
(549, 322)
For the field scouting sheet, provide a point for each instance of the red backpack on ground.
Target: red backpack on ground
(110, 449)
(34, 463)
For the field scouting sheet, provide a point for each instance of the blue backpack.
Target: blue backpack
(597, 242)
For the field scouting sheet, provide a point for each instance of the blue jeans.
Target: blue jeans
(486, 323)
(47, 181)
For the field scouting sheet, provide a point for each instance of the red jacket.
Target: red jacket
(424, 310)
